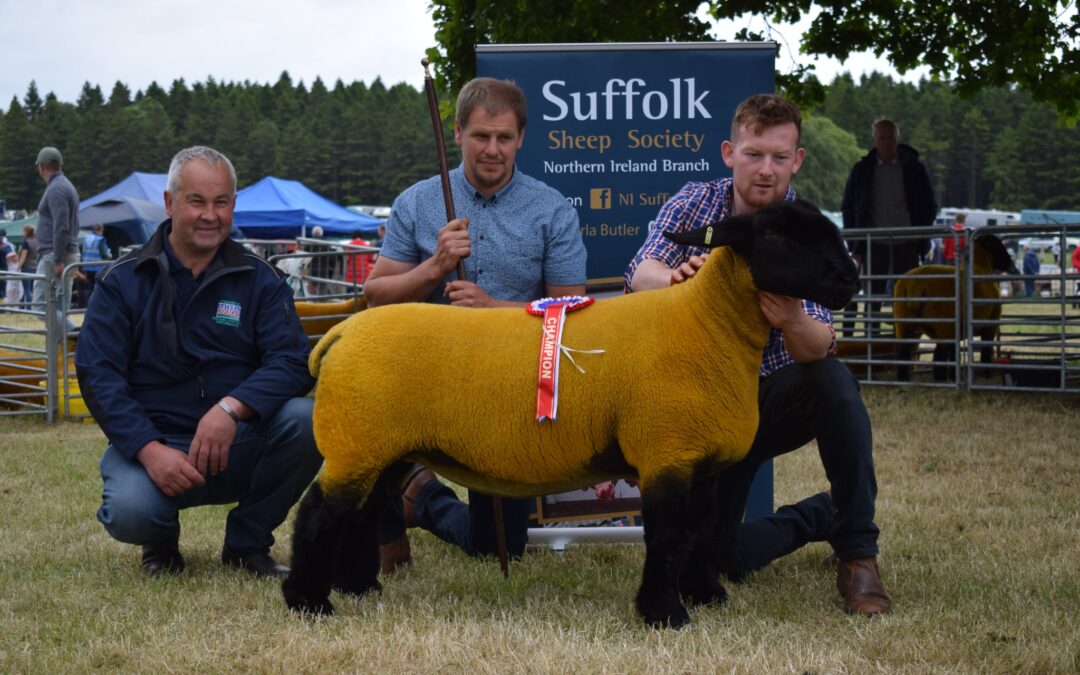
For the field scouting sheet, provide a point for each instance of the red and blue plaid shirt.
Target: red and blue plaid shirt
(696, 205)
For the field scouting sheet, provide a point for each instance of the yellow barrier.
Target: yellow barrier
(76, 406)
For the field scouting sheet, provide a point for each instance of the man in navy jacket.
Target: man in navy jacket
(192, 360)
(888, 188)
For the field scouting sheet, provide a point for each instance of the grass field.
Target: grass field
(978, 507)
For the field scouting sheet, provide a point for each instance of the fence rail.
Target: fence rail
(1034, 345)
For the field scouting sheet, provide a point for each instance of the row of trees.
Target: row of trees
(357, 143)
(354, 143)
(998, 149)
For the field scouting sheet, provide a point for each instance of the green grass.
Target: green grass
(980, 537)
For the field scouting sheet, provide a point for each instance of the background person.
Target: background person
(1076, 266)
(519, 239)
(803, 395)
(1030, 267)
(887, 188)
(954, 244)
(197, 376)
(57, 230)
(10, 260)
(94, 248)
(28, 260)
(324, 267)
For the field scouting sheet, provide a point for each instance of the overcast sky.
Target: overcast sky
(63, 43)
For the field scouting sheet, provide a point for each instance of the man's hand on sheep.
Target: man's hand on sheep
(452, 245)
(688, 268)
(169, 468)
(805, 338)
(209, 450)
(652, 274)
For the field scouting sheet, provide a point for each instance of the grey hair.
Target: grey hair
(208, 155)
(886, 121)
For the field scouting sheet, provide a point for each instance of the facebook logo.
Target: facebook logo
(600, 198)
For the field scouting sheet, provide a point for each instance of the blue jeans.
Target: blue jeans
(470, 527)
(44, 263)
(800, 403)
(270, 464)
(28, 289)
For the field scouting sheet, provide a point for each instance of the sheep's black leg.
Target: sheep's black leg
(942, 353)
(356, 568)
(699, 580)
(319, 523)
(665, 512)
(903, 354)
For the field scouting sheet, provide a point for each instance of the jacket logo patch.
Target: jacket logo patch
(228, 313)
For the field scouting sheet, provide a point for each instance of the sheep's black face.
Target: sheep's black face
(796, 250)
(792, 248)
(1000, 259)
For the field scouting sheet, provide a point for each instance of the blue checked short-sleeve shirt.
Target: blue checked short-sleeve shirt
(522, 238)
(697, 205)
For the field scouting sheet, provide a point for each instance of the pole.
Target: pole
(440, 150)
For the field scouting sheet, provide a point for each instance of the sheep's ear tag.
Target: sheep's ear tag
(553, 311)
(708, 236)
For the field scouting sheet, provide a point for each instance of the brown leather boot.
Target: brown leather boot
(414, 482)
(859, 582)
(395, 554)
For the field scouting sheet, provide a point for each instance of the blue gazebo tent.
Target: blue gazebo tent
(149, 187)
(275, 208)
(130, 210)
(127, 220)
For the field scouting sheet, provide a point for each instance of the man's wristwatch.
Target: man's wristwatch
(228, 410)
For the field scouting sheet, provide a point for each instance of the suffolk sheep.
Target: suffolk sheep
(670, 401)
(917, 314)
(859, 355)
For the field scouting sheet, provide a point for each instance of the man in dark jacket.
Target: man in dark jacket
(889, 187)
(192, 360)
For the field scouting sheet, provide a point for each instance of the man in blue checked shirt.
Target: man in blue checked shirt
(803, 395)
(519, 240)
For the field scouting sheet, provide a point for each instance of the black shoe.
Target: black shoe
(162, 560)
(258, 562)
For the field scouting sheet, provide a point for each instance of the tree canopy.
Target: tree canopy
(462, 24)
(830, 154)
(975, 44)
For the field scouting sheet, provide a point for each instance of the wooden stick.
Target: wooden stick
(440, 150)
(448, 197)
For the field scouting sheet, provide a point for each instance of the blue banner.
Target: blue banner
(619, 128)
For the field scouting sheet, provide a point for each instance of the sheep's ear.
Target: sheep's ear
(724, 233)
(999, 255)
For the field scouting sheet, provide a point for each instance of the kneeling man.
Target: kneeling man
(193, 361)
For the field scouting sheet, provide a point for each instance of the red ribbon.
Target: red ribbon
(547, 373)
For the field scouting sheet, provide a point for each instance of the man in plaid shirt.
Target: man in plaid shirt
(803, 395)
